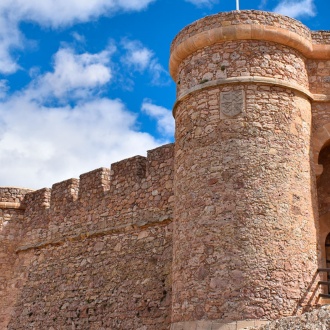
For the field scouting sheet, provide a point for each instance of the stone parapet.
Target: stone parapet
(243, 17)
(321, 37)
(233, 26)
(134, 192)
(12, 197)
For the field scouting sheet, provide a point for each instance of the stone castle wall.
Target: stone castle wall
(223, 229)
(11, 216)
(93, 253)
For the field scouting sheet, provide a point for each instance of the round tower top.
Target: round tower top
(248, 25)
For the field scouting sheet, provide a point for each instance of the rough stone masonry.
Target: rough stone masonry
(224, 229)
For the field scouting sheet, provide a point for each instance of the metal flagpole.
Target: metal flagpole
(237, 4)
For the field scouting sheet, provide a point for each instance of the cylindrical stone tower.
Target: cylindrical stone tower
(245, 244)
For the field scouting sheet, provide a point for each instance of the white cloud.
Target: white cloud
(262, 4)
(10, 38)
(51, 13)
(74, 74)
(137, 56)
(203, 3)
(41, 143)
(165, 120)
(159, 76)
(79, 37)
(63, 12)
(40, 146)
(141, 59)
(296, 8)
(3, 88)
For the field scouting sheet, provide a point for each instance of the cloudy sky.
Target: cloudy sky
(84, 83)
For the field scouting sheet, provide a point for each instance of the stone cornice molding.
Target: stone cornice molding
(245, 32)
(252, 79)
(12, 205)
(83, 235)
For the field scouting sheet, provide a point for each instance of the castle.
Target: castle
(226, 228)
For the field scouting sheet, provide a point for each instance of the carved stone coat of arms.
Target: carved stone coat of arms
(231, 103)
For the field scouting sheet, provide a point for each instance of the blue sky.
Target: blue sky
(84, 83)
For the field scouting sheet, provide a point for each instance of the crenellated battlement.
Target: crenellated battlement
(93, 185)
(321, 37)
(12, 197)
(134, 191)
(120, 180)
(63, 194)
